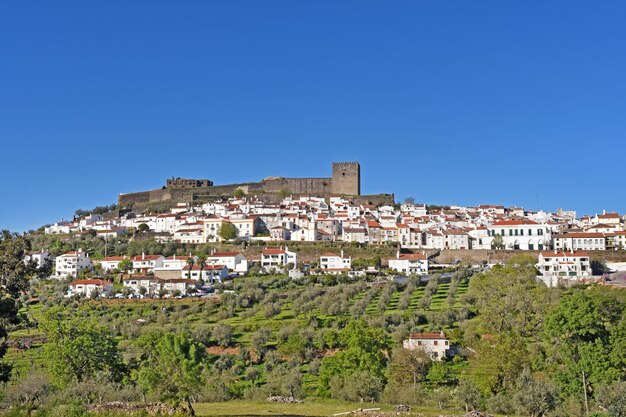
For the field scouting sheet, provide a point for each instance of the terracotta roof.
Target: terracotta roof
(89, 282)
(580, 235)
(513, 222)
(146, 257)
(608, 216)
(113, 259)
(273, 251)
(206, 267)
(551, 254)
(439, 336)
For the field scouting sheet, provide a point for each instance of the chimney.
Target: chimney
(143, 255)
(342, 253)
(398, 254)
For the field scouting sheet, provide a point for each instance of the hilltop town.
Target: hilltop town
(561, 241)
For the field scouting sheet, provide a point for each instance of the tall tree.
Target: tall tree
(190, 262)
(14, 281)
(586, 329)
(77, 350)
(171, 367)
(363, 351)
(227, 231)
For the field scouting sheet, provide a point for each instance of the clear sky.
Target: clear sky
(450, 102)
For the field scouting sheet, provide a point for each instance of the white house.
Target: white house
(355, 234)
(521, 234)
(555, 266)
(277, 258)
(181, 285)
(70, 264)
(480, 238)
(234, 261)
(62, 227)
(207, 273)
(89, 287)
(410, 263)
(456, 239)
(38, 257)
(279, 233)
(579, 241)
(193, 235)
(436, 345)
(111, 263)
(175, 262)
(151, 284)
(146, 263)
(331, 263)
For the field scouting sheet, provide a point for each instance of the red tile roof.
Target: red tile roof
(89, 282)
(513, 222)
(551, 254)
(439, 336)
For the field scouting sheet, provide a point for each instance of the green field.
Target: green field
(275, 303)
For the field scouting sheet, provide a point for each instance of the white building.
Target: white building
(146, 263)
(194, 235)
(410, 263)
(62, 227)
(521, 234)
(331, 263)
(480, 238)
(151, 284)
(555, 266)
(277, 258)
(355, 234)
(89, 287)
(38, 257)
(111, 263)
(175, 262)
(456, 239)
(579, 241)
(436, 345)
(207, 273)
(71, 264)
(234, 261)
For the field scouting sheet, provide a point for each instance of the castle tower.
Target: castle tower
(346, 178)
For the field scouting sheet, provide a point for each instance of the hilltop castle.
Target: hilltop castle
(345, 180)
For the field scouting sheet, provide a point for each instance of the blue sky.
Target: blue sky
(450, 102)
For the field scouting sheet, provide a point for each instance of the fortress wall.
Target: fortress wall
(375, 199)
(298, 185)
(126, 200)
(160, 195)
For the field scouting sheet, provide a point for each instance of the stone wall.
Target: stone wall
(314, 186)
(346, 178)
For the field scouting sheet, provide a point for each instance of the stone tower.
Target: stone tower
(346, 178)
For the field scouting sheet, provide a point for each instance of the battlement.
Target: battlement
(345, 180)
(187, 183)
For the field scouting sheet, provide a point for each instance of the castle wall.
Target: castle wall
(346, 180)
(127, 200)
(375, 199)
(319, 186)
